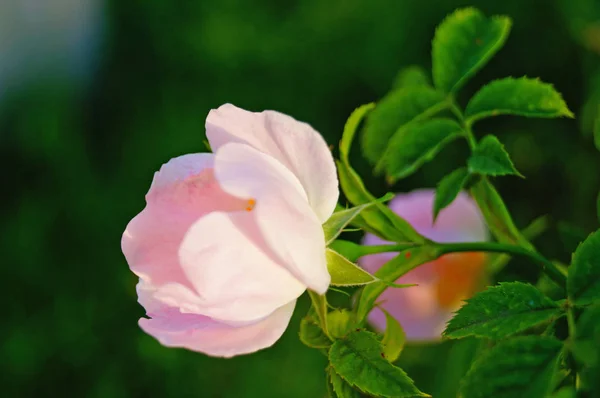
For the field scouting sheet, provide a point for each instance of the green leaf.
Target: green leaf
(522, 96)
(501, 311)
(351, 127)
(345, 273)
(411, 76)
(312, 335)
(358, 359)
(598, 206)
(597, 132)
(417, 143)
(586, 349)
(565, 392)
(340, 387)
(340, 322)
(404, 262)
(340, 219)
(464, 42)
(448, 189)
(519, 367)
(380, 220)
(496, 215)
(490, 158)
(583, 282)
(394, 337)
(395, 110)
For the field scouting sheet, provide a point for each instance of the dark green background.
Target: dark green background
(77, 163)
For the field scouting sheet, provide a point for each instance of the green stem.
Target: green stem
(446, 248)
(467, 126)
(546, 265)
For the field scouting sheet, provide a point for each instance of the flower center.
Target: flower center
(250, 204)
(460, 276)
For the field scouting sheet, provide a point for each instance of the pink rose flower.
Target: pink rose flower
(443, 284)
(228, 241)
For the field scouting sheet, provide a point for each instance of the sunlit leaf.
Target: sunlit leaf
(340, 387)
(583, 282)
(394, 111)
(490, 158)
(394, 337)
(448, 189)
(340, 322)
(358, 358)
(417, 143)
(522, 96)
(501, 311)
(496, 215)
(518, 367)
(411, 76)
(464, 42)
(312, 335)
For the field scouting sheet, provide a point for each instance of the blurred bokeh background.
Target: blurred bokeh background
(96, 94)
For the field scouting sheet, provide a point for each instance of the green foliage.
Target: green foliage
(339, 220)
(597, 132)
(351, 127)
(340, 388)
(497, 216)
(411, 76)
(393, 111)
(490, 158)
(598, 206)
(583, 283)
(501, 311)
(522, 96)
(448, 189)
(417, 143)
(586, 349)
(519, 367)
(358, 359)
(380, 219)
(340, 322)
(464, 42)
(344, 272)
(404, 262)
(312, 335)
(394, 337)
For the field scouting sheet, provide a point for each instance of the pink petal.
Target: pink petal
(419, 309)
(295, 144)
(203, 334)
(288, 224)
(182, 191)
(461, 221)
(236, 280)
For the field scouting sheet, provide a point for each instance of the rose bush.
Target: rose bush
(442, 284)
(228, 241)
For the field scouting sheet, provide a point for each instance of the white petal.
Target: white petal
(235, 279)
(295, 144)
(203, 334)
(289, 226)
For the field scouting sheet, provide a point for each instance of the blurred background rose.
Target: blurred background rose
(443, 284)
(79, 149)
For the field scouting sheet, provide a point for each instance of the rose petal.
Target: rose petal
(289, 226)
(203, 334)
(236, 280)
(182, 191)
(461, 221)
(295, 144)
